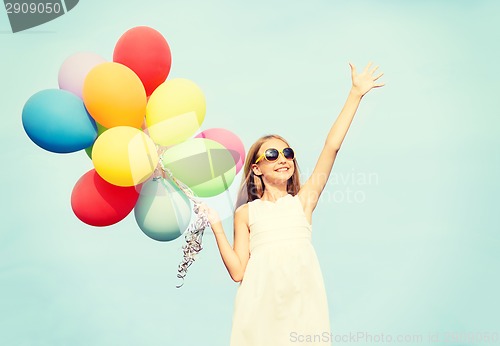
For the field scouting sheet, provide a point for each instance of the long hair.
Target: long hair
(252, 186)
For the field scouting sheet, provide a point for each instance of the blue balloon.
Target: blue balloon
(57, 121)
(162, 211)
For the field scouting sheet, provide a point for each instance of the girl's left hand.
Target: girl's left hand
(365, 81)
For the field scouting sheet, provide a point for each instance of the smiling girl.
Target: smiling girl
(281, 298)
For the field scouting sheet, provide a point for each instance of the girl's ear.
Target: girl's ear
(256, 170)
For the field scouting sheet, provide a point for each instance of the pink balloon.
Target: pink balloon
(229, 140)
(74, 70)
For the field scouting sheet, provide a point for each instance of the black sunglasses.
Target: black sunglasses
(272, 154)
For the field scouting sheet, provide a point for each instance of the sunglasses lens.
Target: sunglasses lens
(288, 153)
(272, 154)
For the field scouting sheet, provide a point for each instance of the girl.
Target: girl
(281, 299)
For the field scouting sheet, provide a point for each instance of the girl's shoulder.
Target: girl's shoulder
(241, 213)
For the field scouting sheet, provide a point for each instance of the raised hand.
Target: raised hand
(365, 81)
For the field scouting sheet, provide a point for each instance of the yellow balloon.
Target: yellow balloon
(124, 156)
(175, 111)
(114, 95)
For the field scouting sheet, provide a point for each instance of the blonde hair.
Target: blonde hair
(252, 186)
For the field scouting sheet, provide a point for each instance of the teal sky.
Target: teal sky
(406, 232)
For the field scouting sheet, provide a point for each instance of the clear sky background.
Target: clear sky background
(407, 230)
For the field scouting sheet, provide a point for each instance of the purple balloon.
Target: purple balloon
(74, 70)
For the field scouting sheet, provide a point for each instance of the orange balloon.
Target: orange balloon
(114, 95)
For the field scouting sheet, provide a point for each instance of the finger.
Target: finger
(379, 85)
(353, 68)
(374, 69)
(367, 67)
(380, 75)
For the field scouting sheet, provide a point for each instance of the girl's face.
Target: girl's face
(277, 172)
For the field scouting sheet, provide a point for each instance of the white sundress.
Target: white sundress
(281, 299)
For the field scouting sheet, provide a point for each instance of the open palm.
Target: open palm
(365, 81)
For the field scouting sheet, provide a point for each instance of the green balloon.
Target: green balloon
(204, 165)
(163, 211)
(100, 130)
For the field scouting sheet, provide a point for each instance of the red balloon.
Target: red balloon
(146, 52)
(99, 203)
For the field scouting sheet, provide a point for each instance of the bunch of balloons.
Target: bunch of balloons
(135, 125)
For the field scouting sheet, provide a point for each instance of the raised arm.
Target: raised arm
(361, 83)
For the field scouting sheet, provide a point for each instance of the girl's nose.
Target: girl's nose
(281, 158)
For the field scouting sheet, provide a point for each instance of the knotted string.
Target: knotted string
(194, 233)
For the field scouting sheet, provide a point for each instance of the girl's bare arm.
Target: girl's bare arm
(361, 83)
(235, 259)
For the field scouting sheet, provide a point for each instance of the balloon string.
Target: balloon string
(194, 233)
